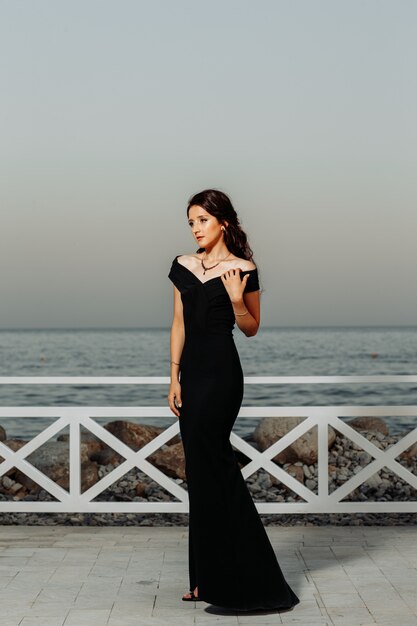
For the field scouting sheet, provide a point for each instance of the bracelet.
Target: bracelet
(174, 362)
(242, 313)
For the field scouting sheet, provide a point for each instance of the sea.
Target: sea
(274, 351)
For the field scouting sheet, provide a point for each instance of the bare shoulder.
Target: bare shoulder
(187, 259)
(245, 265)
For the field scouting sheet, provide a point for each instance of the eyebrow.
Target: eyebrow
(197, 216)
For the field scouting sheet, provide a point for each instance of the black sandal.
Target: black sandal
(193, 598)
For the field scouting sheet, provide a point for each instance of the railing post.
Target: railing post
(323, 460)
(75, 461)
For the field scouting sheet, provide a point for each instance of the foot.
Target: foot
(191, 594)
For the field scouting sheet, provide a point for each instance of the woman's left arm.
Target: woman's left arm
(246, 306)
(249, 322)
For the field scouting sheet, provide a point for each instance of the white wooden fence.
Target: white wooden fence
(73, 500)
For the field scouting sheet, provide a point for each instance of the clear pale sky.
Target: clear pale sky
(113, 114)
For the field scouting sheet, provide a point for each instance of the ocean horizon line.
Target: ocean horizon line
(264, 326)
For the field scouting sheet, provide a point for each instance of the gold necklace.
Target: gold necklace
(213, 266)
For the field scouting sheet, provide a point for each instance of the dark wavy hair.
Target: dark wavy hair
(218, 204)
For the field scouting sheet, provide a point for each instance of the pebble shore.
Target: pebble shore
(181, 519)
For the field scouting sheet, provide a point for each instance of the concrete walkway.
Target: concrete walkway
(122, 576)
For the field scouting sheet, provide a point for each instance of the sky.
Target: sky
(113, 114)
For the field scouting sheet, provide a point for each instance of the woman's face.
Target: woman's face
(205, 227)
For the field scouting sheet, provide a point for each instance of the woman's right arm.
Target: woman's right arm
(176, 346)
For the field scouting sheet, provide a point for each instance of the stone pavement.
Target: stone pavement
(125, 576)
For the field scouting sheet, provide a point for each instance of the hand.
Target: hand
(174, 397)
(234, 286)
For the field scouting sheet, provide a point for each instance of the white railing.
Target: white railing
(73, 500)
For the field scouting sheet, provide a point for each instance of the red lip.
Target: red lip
(200, 237)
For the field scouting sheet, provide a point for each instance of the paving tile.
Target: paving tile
(93, 601)
(13, 609)
(396, 620)
(12, 621)
(303, 618)
(349, 616)
(14, 561)
(274, 617)
(220, 620)
(329, 585)
(87, 617)
(132, 620)
(40, 609)
(9, 570)
(342, 600)
(43, 621)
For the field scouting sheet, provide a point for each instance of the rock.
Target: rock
(53, 453)
(170, 460)
(89, 475)
(12, 488)
(373, 482)
(2, 434)
(7, 482)
(13, 444)
(264, 480)
(369, 423)
(332, 470)
(93, 444)
(341, 477)
(52, 459)
(296, 471)
(15, 488)
(107, 456)
(307, 472)
(136, 435)
(303, 449)
(364, 458)
(410, 454)
(384, 484)
(140, 489)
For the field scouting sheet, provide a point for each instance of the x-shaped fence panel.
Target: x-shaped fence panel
(77, 419)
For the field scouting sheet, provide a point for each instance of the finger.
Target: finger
(173, 407)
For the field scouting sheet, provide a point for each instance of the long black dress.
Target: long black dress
(230, 556)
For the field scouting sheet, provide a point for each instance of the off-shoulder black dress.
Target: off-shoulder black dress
(230, 556)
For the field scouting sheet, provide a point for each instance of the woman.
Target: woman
(231, 560)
